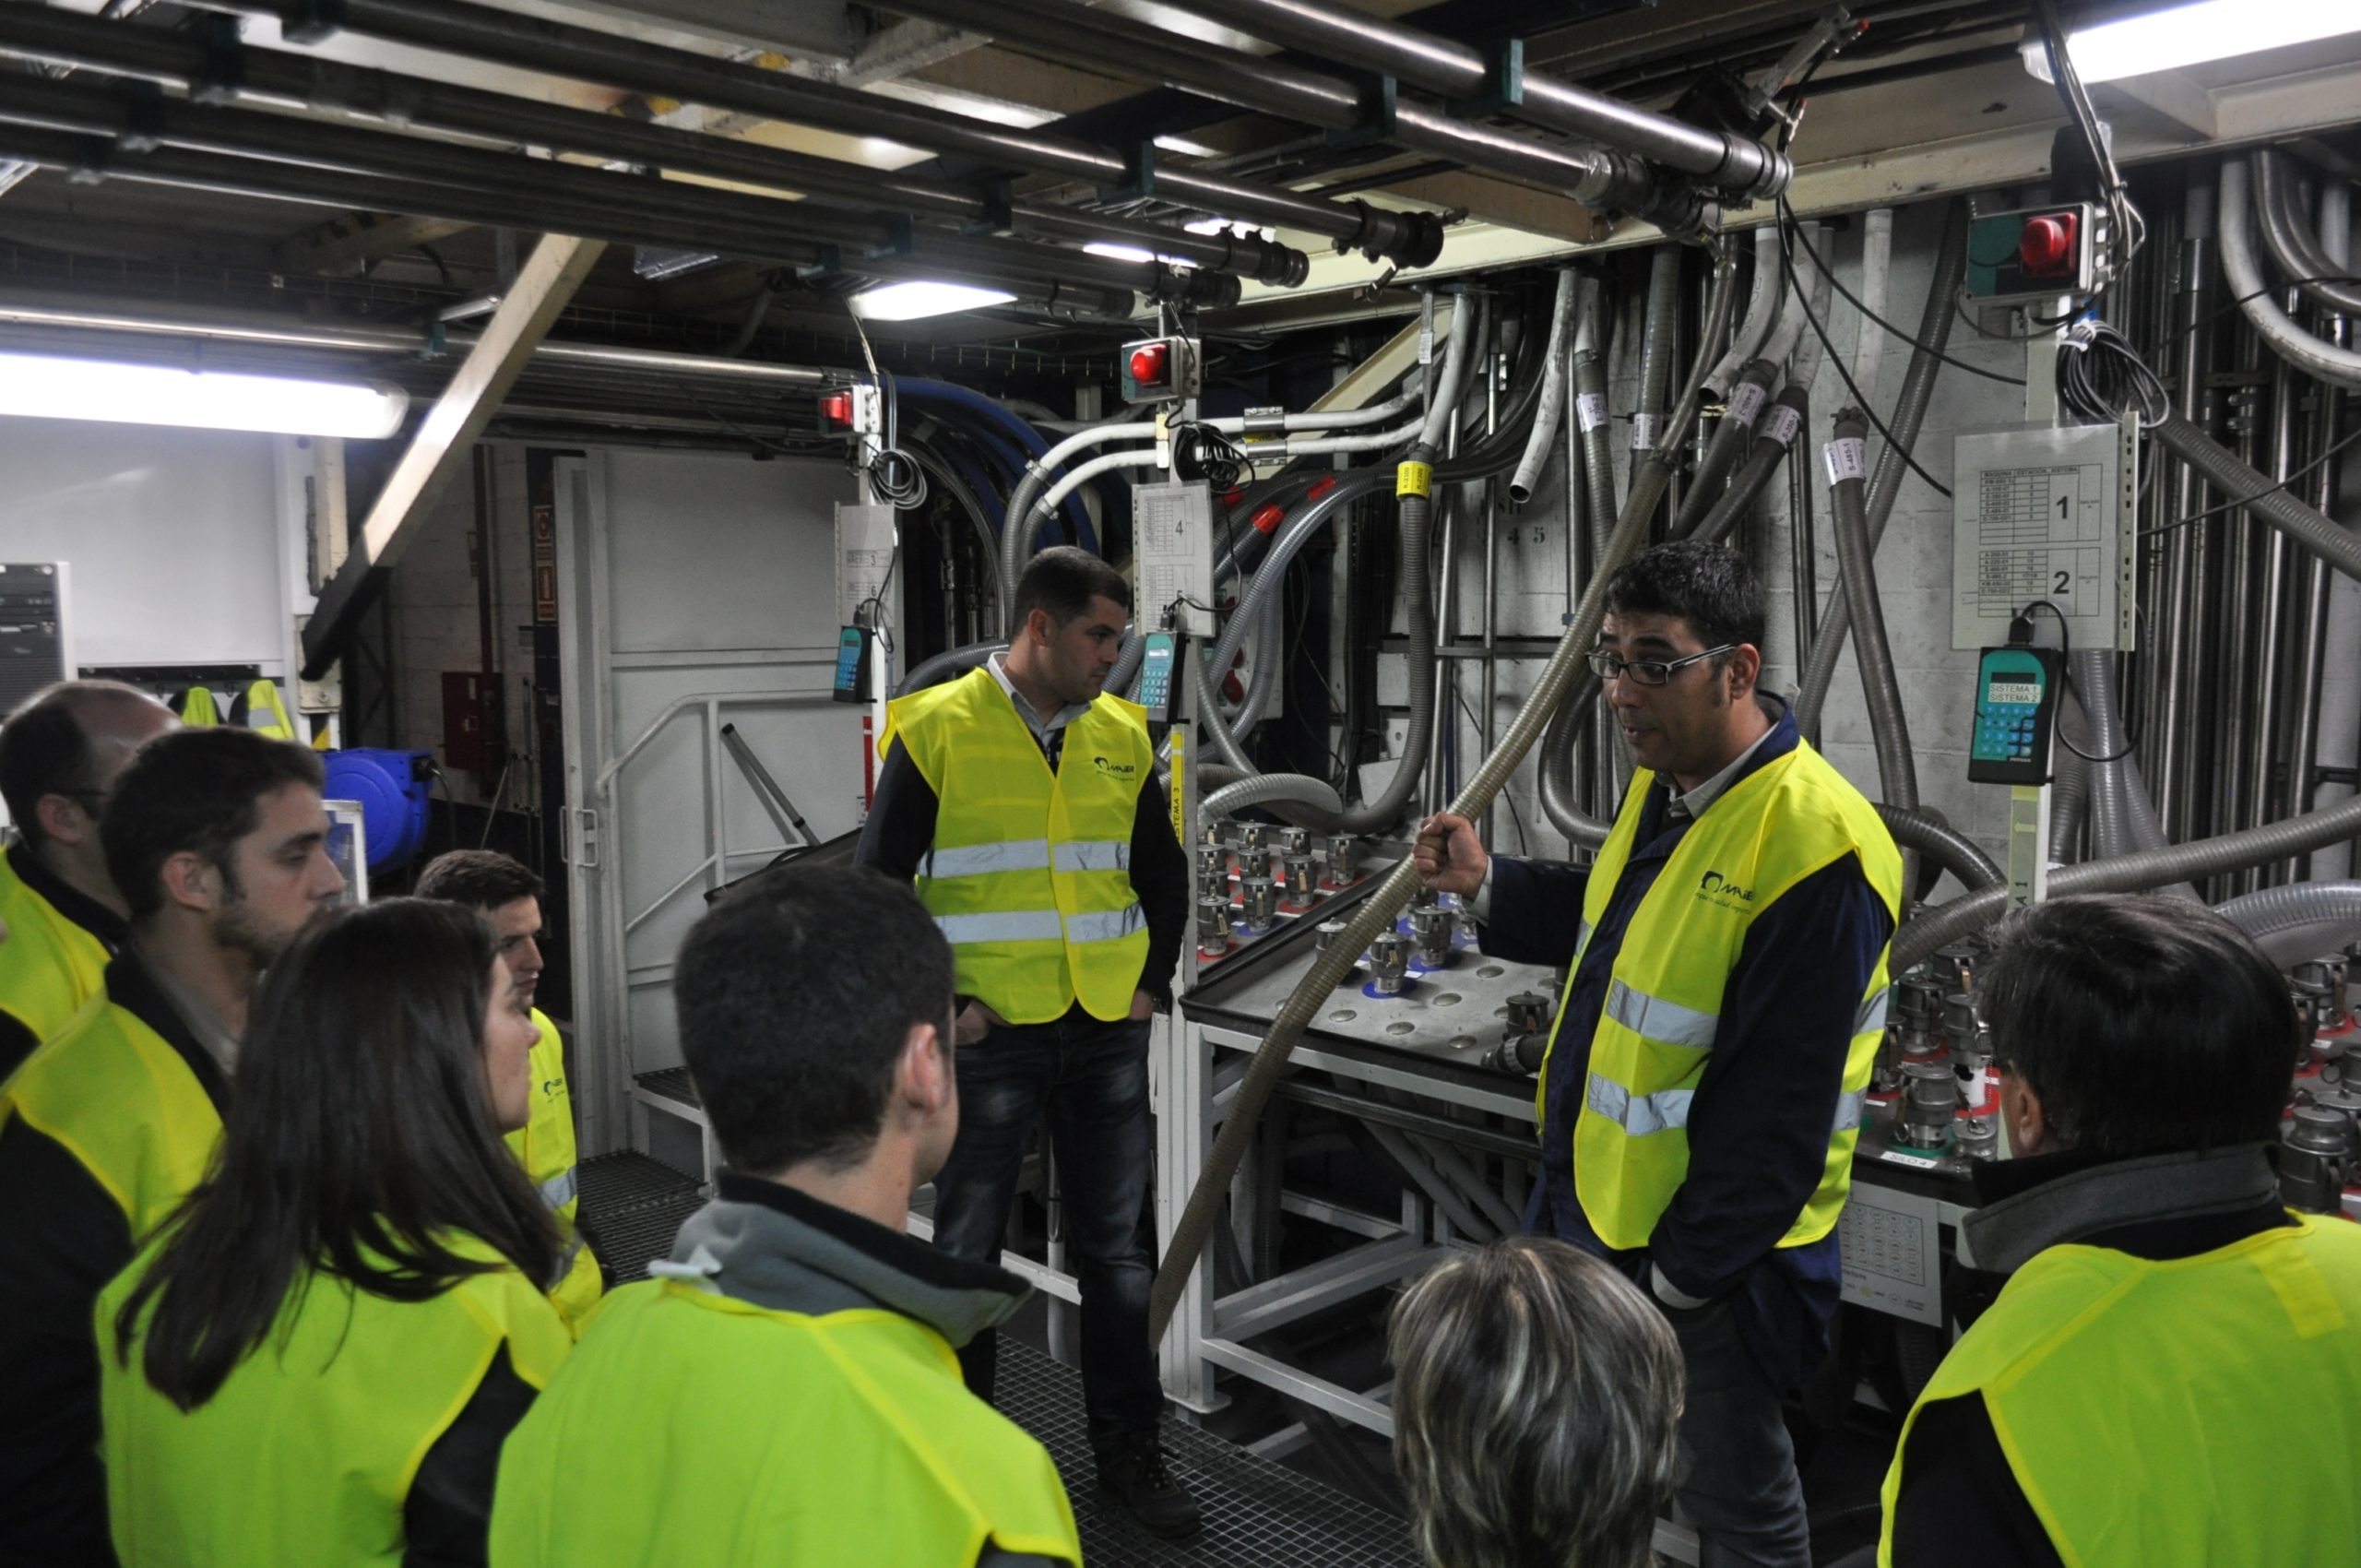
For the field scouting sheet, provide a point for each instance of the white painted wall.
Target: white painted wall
(179, 539)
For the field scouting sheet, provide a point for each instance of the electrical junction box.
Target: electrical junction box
(2037, 254)
(2045, 512)
(1159, 370)
(1173, 527)
(2016, 704)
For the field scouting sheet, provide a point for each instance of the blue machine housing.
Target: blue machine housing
(392, 789)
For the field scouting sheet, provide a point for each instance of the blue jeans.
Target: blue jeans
(1090, 1077)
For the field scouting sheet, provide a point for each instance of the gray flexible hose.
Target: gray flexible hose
(1761, 312)
(1657, 344)
(2123, 818)
(2135, 873)
(1558, 771)
(1877, 265)
(1888, 726)
(2070, 790)
(1730, 443)
(1780, 347)
(1236, 797)
(1943, 844)
(2300, 922)
(1543, 443)
(1776, 433)
(2332, 541)
(2287, 234)
(1590, 411)
(939, 667)
(1909, 414)
(1377, 912)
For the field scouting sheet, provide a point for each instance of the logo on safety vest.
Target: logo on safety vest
(1114, 769)
(1716, 889)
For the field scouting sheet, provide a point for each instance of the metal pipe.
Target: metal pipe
(2303, 751)
(1065, 31)
(2239, 265)
(539, 44)
(2265, 754)
(2287, 234)
(1458, 71)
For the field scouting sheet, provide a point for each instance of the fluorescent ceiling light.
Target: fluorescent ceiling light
(2189, 35)
(119, 392)
(1114, 252)
(1186, 148)
(908, 301)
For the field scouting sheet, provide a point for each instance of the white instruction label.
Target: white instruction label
(1892, 1247)
(1781, 425)
(1590, 408)
(1643, 432)
(1846, 458)
(1746, 401)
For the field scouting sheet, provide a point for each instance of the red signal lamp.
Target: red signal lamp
(1151, 362)
(2046, 248)
(835, 409)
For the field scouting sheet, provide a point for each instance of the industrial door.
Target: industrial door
(696, 591)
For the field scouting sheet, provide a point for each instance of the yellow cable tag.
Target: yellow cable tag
(1413, 479)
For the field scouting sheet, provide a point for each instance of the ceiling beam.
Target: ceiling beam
(439, 448)
(349, 245)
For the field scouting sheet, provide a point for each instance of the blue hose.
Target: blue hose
(981, 415)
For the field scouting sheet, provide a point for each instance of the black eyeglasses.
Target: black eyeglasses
(1648, 671)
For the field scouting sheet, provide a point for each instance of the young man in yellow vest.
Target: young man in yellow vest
(508, 894)
(2123, 1400)
(785, 1391)
(1022, 802)
(1703, 1091)
(218, 841)
(60, 755)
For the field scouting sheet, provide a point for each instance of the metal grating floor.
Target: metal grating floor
(1258, 1513)
(633, 1205)
(672, 1083)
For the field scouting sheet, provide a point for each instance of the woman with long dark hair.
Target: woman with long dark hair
(316, 1358)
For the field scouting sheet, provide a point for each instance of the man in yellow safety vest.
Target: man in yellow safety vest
(218, 841)
(61, 752)
(2123, 1399)
(1022, 802)
(784, 1390)
(1726, 957)
(508, 894)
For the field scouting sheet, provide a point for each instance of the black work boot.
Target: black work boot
(1133, 1472)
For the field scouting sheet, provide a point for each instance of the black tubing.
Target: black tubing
(1888, 728)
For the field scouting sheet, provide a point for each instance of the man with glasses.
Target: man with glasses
(1703, 1091)
(60, 753)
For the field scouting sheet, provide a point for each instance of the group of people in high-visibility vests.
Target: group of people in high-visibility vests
(286, 1189)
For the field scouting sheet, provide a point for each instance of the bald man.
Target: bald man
(61, 753)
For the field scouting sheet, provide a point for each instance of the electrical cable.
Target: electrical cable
(2066, 651)
(2130, 228)
(2235, 503)
(2100, 375)
(1787, 218)
(1787, 261)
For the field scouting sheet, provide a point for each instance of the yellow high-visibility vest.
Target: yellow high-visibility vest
(2142, 1406)
(698, 1431)
(114, 1094)
(1793, 816)
(306, 1453)
(49, 965)
(1029, 877)
(544, 1147)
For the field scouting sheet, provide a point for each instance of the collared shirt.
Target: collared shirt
(205, 1024)
(1050, 731)
(1694, 802)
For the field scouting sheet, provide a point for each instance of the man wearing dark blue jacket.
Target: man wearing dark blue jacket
(1703, 1092)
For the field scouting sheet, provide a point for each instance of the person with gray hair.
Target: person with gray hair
(1536, 1405)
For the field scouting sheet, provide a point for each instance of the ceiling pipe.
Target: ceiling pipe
(216, 67)
(564, 197)
(539, 44)
(1462, 73)
(1068, 29)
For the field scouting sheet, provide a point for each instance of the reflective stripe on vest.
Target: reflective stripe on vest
(871, 1451)
(1029, 874)
(559, 1190)
(1791, 817)
(1665, 1022)
(1641, 1114)
(982, 859)
(2141, 1406)
(307, 1452)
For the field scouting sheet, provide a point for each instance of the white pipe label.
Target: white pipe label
(1643, 432)
(1590, 408)
(1782, 424)
(1746, 401)
(1846, 458)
